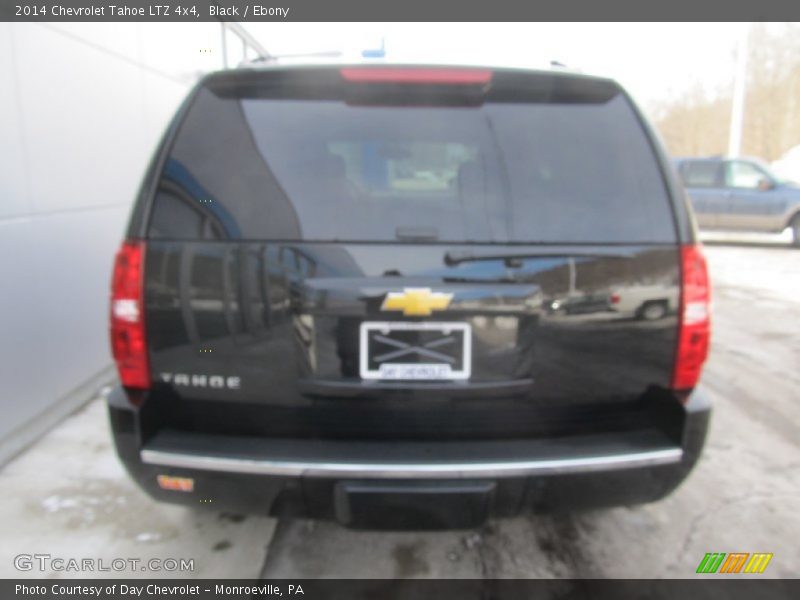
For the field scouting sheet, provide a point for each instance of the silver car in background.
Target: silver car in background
(740, 194)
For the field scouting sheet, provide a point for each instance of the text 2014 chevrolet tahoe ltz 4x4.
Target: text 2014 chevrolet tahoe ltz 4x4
(336, 299)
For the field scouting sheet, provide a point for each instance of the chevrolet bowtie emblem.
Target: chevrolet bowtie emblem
(416, 302)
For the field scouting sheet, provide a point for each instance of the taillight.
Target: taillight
(417, 75)
(694, 330)
(128, 340)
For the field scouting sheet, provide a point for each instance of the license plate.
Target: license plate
(399, 350)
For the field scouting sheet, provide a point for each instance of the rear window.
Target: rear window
(330, 169)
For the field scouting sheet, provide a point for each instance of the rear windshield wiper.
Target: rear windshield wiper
(515, 259)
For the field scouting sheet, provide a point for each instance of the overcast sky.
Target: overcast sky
(654, 61)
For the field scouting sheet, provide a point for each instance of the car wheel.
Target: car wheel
(653, 311)
(795, 226)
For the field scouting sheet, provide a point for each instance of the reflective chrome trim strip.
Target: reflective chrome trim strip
(290, 468)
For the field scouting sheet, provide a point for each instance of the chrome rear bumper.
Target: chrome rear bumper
(298, 458)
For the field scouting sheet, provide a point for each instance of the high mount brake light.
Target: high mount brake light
(417, 76)
(128, 339)
(694, 331)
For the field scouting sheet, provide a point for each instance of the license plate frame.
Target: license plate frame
(416, 371)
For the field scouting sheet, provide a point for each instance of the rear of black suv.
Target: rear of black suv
(339, 298)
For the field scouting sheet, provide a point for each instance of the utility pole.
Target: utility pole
(739, 92)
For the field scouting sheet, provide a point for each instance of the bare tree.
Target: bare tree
(697, 122)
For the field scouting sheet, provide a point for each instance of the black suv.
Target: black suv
(335, 299)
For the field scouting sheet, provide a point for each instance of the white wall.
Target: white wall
(82, 106)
